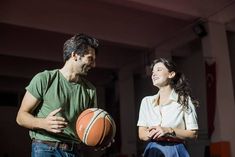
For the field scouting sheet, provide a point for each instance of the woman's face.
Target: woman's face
(161, 75)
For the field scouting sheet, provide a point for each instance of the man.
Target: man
(54, 99)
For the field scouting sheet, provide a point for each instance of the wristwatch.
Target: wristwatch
(172, 132)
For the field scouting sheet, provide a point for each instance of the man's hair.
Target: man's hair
(79, 43)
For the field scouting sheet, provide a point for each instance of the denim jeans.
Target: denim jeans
(43, 150)
(165, 149)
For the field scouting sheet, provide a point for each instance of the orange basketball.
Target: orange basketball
(95, 127)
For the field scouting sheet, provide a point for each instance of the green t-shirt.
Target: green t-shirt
(55, 91)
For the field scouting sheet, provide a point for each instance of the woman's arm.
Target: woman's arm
(185, 134)
(158, 131)
(143, 133)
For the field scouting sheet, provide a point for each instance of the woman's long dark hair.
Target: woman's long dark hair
(179, 83)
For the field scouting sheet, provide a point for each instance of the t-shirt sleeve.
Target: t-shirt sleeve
(91, 89)
(37, 85)
(94, 99)
(190, 116)
(142, 113)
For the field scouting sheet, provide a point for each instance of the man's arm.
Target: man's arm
(26, 119)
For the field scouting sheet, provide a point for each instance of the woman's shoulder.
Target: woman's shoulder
(150, 98)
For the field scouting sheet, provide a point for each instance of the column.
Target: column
(127, 112)
(215, 46)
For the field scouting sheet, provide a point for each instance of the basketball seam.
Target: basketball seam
(87, 113)
(89, 126)
(104, 129)
(90, 111)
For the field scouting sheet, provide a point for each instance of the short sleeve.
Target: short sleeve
(190, 117)
(91, 91)
(94, 99)
(36, 86)
(142, 113)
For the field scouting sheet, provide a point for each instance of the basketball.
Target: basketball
(95, 127)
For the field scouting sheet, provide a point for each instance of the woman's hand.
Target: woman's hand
(157, 132)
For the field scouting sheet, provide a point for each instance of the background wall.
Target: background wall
(131, 33)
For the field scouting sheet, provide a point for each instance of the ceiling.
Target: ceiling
(127, 29)
(134, 22)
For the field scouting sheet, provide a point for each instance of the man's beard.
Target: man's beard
(85, 70)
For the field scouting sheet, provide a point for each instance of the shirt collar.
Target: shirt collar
(173, 97)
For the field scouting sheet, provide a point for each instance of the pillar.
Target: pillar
(215, 45)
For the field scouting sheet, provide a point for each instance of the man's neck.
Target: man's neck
(69, 74)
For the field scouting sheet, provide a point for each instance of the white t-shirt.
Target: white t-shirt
(171, 114)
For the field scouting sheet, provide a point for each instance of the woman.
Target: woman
(168, 118)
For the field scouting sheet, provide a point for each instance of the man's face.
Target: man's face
(87, 61)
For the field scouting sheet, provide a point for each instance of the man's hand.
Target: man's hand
(53, 123)
(105, 147)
